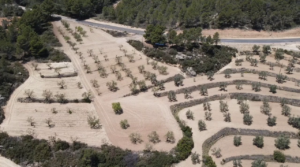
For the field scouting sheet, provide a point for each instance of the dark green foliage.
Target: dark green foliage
(282, 142)
(279, 156)
(273, 88)
(191, 13)
(154, 34)
(247, 119)
(259, 163)
(258, 141)
(61, 145)
(136, 44)
(271, 121)
(294, 121)
(209, 162)
(178, 80)
(201, 125)
(184, 147)
(117, 108)
(237, 140)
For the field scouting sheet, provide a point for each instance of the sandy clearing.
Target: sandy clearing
(142, 112)
(4, 162)
(66, 125)
(239, 33)
(229, 150)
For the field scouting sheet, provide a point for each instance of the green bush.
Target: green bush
(279, 156)
(258, 141)
(136, 44)
(184, 147)
(117, 108)
(209, 162)
(282, 142)
(61, 145)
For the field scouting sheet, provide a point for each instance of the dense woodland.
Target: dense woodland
(252, 14)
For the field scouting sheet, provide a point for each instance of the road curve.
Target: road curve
(242, 41)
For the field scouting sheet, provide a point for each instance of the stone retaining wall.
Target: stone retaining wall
(232, 82)
(60, 76)
(266, 158)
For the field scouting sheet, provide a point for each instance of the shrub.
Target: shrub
(279, 156)
(258, 141)
(178, 80)
(190, 115)
(94, 122)
(117, 108)
(294, 121)
(247, 119)
(170, 137)
(209, 162)
(286, 110)
(172, 96)
(201, 125)
(124, 124)
(258, 163)
(271, 121)
(237, 140)
(61, 145)
(154, 137)
(273, 88)
(282, 142)
(184, 147)
(135, 138)
(195, 158)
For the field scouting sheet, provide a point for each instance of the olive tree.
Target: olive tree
(282, 142)
(210, 75)
(227, 117)
(259, 163)
(135, 138)
(208, 115)
(201, 125)
(237, 163)
(172, 96)
(124, 124)
(237, 140)
(195, 157)
(206, 106)
(216, 152)
(244, 108)
(248, 119)
(286, 110)
(87, 96)
(178, 80)
(62, 84)
(273, 88)
(271, 121)
(203, 91)
(29, 93)
(117, 108)
(258, 141)
(223, 106)
(190, 115)
(154, 137)
(47, 94)
(93, 122)
(112, 86)
(265, 108)
(262, 75)
(170, 137)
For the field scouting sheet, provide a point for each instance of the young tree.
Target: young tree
(203, 91)
(95, 83)
(273, 88)
(227, 74)
(172, 96)
(62, 84)
(178, 80)
(227, 117)
(271, 121)
(256, 86)
(258, 141)
(124, 124)
(117, 108)
(279, 55)
(223, 86)
(35, 66)
(244, 108)
(255, 49)
(47, 94)
(239, 86)
(216, 152)
(141, 69)
(265, 108)
(170, 137)
(201, 125)
(49, 122)
(281, 78)
(31, 121)
(248, 119)
(259, 163)
(237, 163)
(187, 94)
(216, 38)
(262, 57)
(162, 70)
(112, 86)
(282, 142)
(190, 115)
(60, 97)
(154, 137)
(223, 106)
(279, 156)
(237, 140)
(206, 106)
(135, 138)
(29, 93)
(208, 115)
(87, 96)
(195, 157)
(262, 75)
(210, 75)
(289, 70)
(94, 122)
(154, 65)
(286, 110)
(266, 49)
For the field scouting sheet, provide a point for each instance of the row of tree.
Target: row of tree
(255, 14)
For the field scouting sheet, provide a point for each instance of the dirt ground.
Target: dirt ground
(7, 163)
(238, 33)
(143, 112)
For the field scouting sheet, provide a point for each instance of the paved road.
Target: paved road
(140, 32)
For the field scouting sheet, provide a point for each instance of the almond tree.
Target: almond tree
(94, 122)
(62, 84)
(112, 86)
(95, 83)
(135, 138)
(47, 94)
(29, 93)
(170, 137)
(154, 137)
